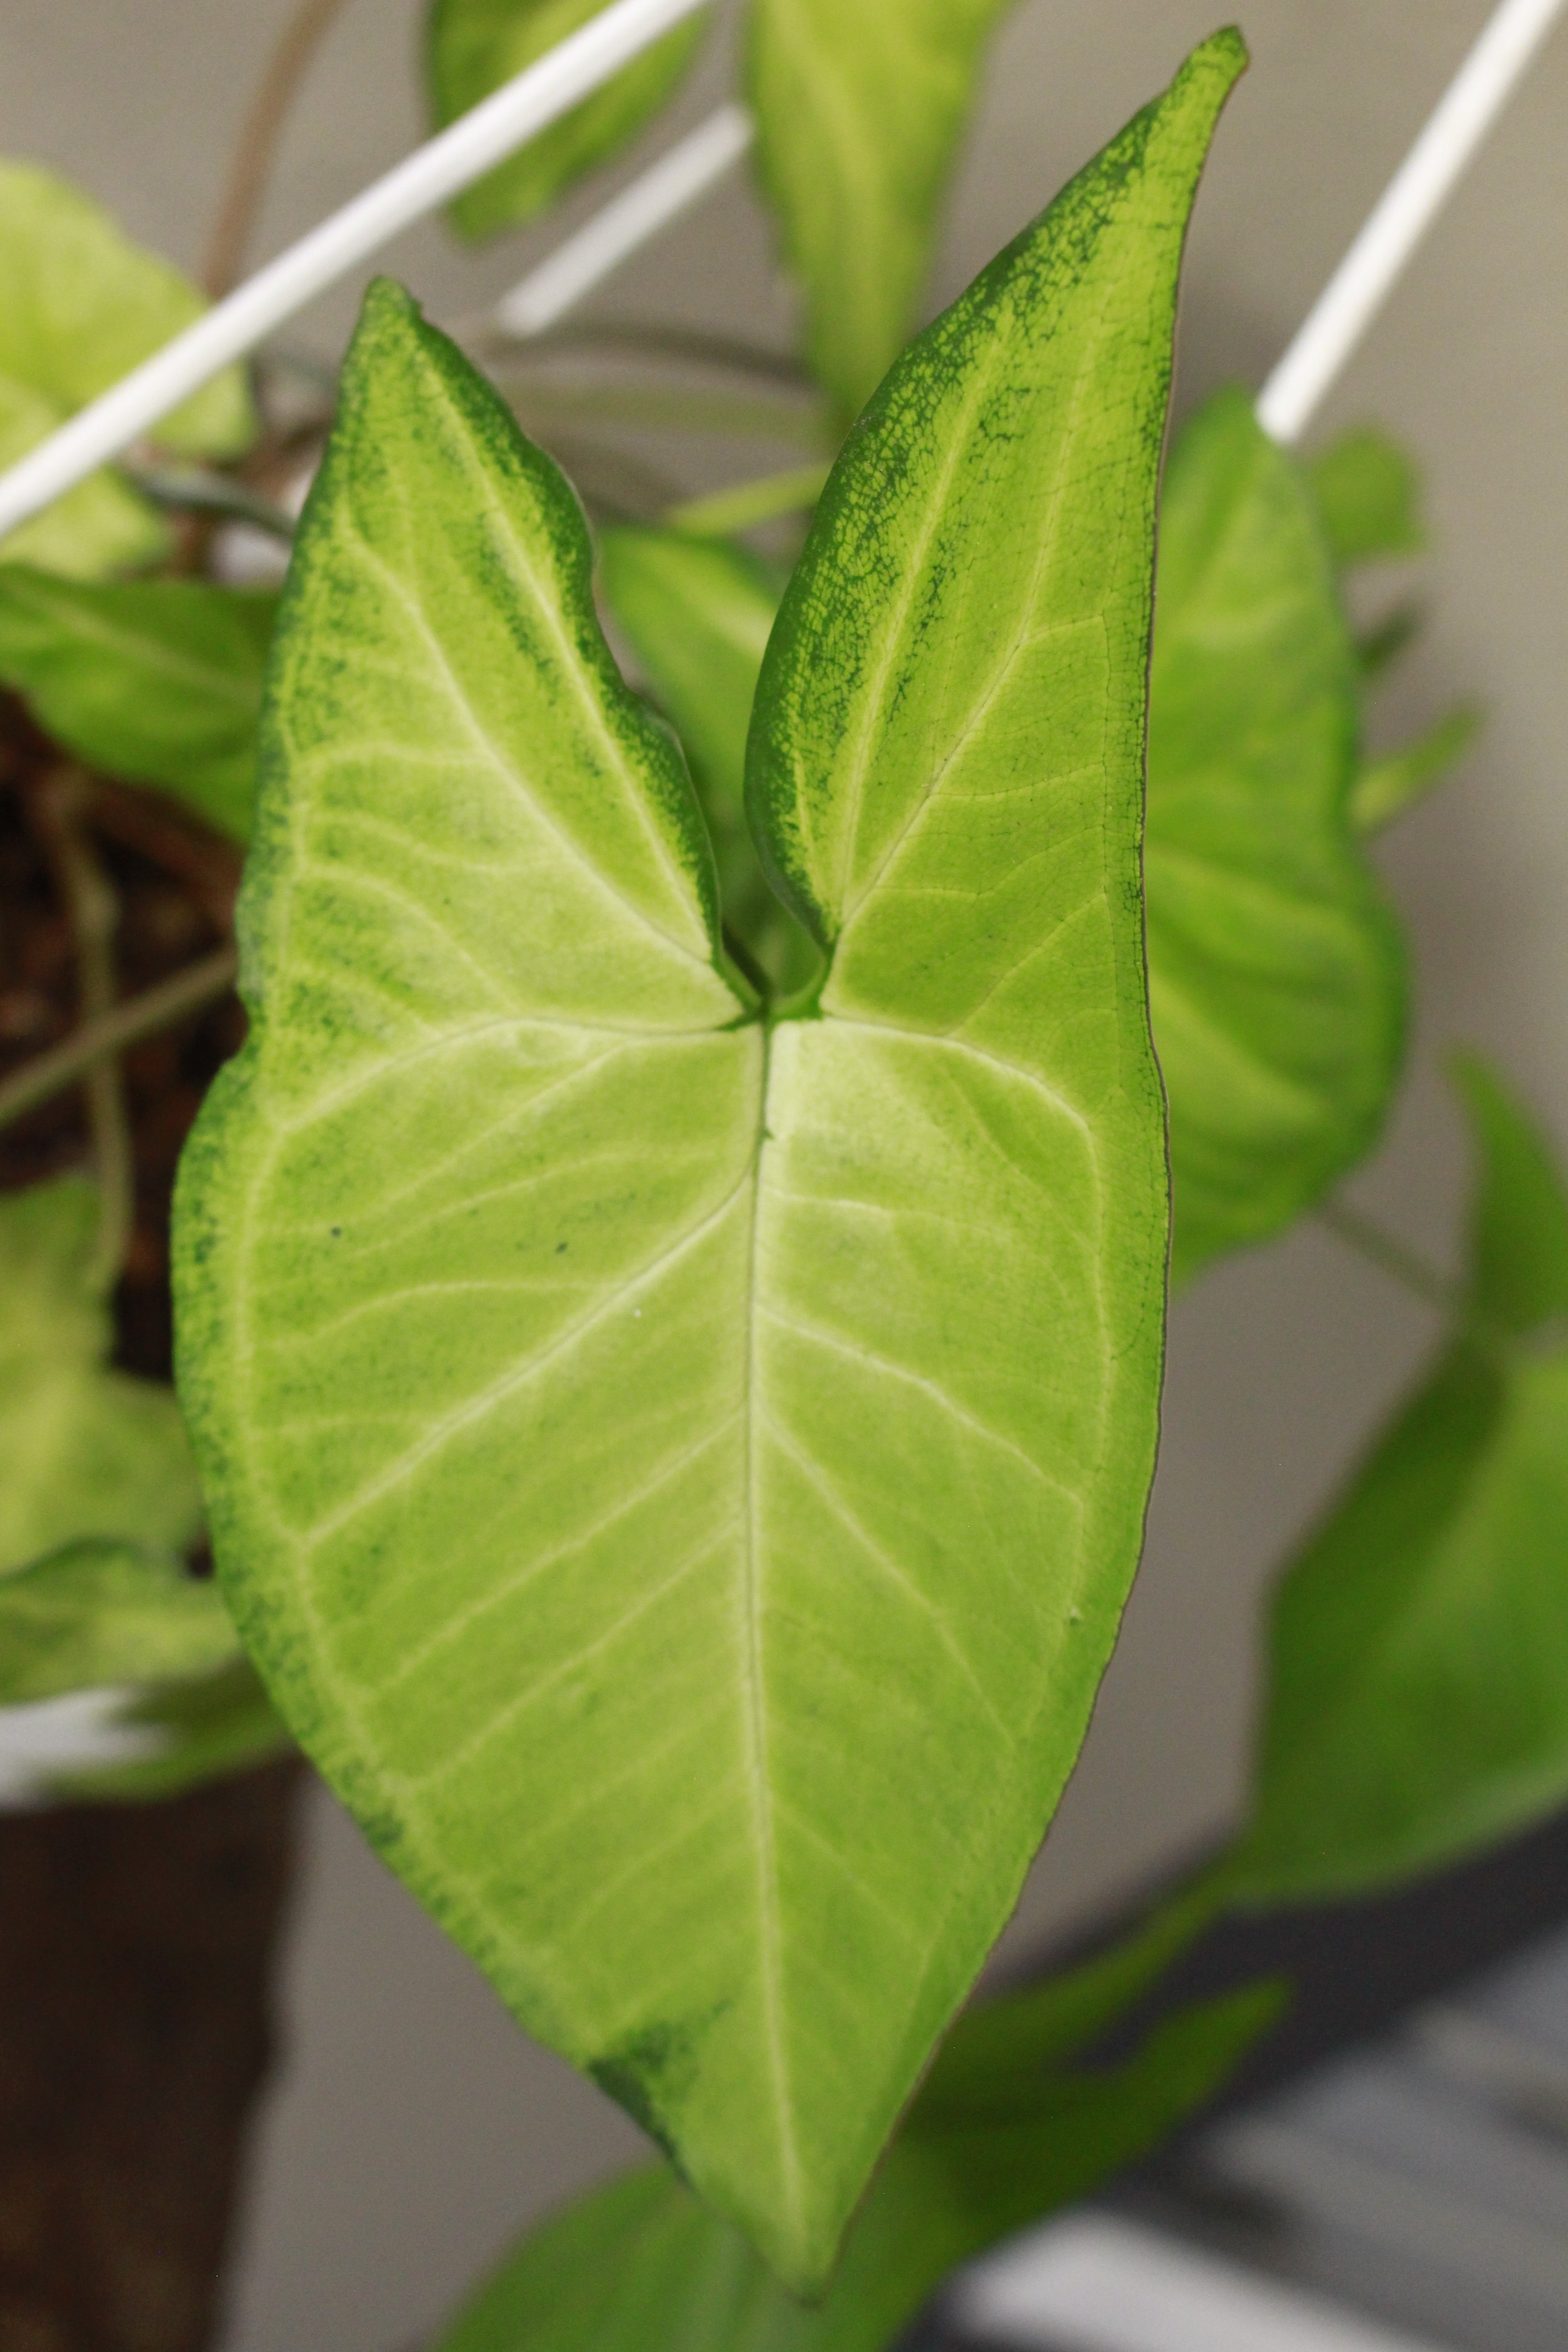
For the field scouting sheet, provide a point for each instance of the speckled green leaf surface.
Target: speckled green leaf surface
(860, 107)
(1276, 968)
(472, 47)
(698, 614)
(80, 305)
(668, 1466)
(1419, 1694)
(641, 2267)
(88, 1453)
(156, 681)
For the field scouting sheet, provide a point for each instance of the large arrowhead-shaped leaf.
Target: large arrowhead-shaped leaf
(88, 1453)
(642, 2267)
(1277, 976)
(157, 681)
(679, 1474)
(1418, 1697)
(860, 107)
(80, 305)
(472, 47)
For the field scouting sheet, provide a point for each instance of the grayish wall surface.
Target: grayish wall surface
(414, 2129)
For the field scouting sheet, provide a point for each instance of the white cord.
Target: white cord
(430, 176)
(659, 195)
(1420, 188)
(580, 64)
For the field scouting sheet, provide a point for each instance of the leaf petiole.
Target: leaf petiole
(115, 1032)
(93, 910)
(1412, 1272)
(727, 513)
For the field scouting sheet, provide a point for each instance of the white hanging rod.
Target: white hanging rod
(1417, 192)
(647, 205)
(578, 66)
(429, 177)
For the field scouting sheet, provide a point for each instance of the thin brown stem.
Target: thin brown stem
(208, 865)
(184, 992)
(93, 910)
(1392, 1256)
(253, 157)
(1413, 1274)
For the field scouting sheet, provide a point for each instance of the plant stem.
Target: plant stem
(253, 157)
(113, 1031)
(1392, 1257)
(94, 914)
(727, 415)
(726, 512)
(622, 341)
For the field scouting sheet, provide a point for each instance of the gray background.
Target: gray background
(412, 2129)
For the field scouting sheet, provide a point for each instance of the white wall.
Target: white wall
(413, 2128)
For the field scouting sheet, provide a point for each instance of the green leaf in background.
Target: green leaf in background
(1385, 788)
(1368, 492)
(155, 681)
(1011, 2038)
(681, 1481)
(1519, 1218)
(860, 108)
(698, 614)
(472, 47)
(1276, 970)
(1419, 1694)
(80, 305)
(1381, 646)
(90, 1452)
(193, 1731)
(98, 1612)
(642, 2267)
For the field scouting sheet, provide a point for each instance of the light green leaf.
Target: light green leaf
(1277, 972)
(472, 47)
(101, 526)
(90, 1452)
(698, 614)
(1385, 788)
(196, 1731)
(156, 681)
(642, 2267)
(1418, 1697)
(670, 1471)
(1277, 976)
(860, 108)
(80, 306)
(1369, 495)
(98, 1612)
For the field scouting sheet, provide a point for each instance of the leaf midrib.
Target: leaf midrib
(756, 1698)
